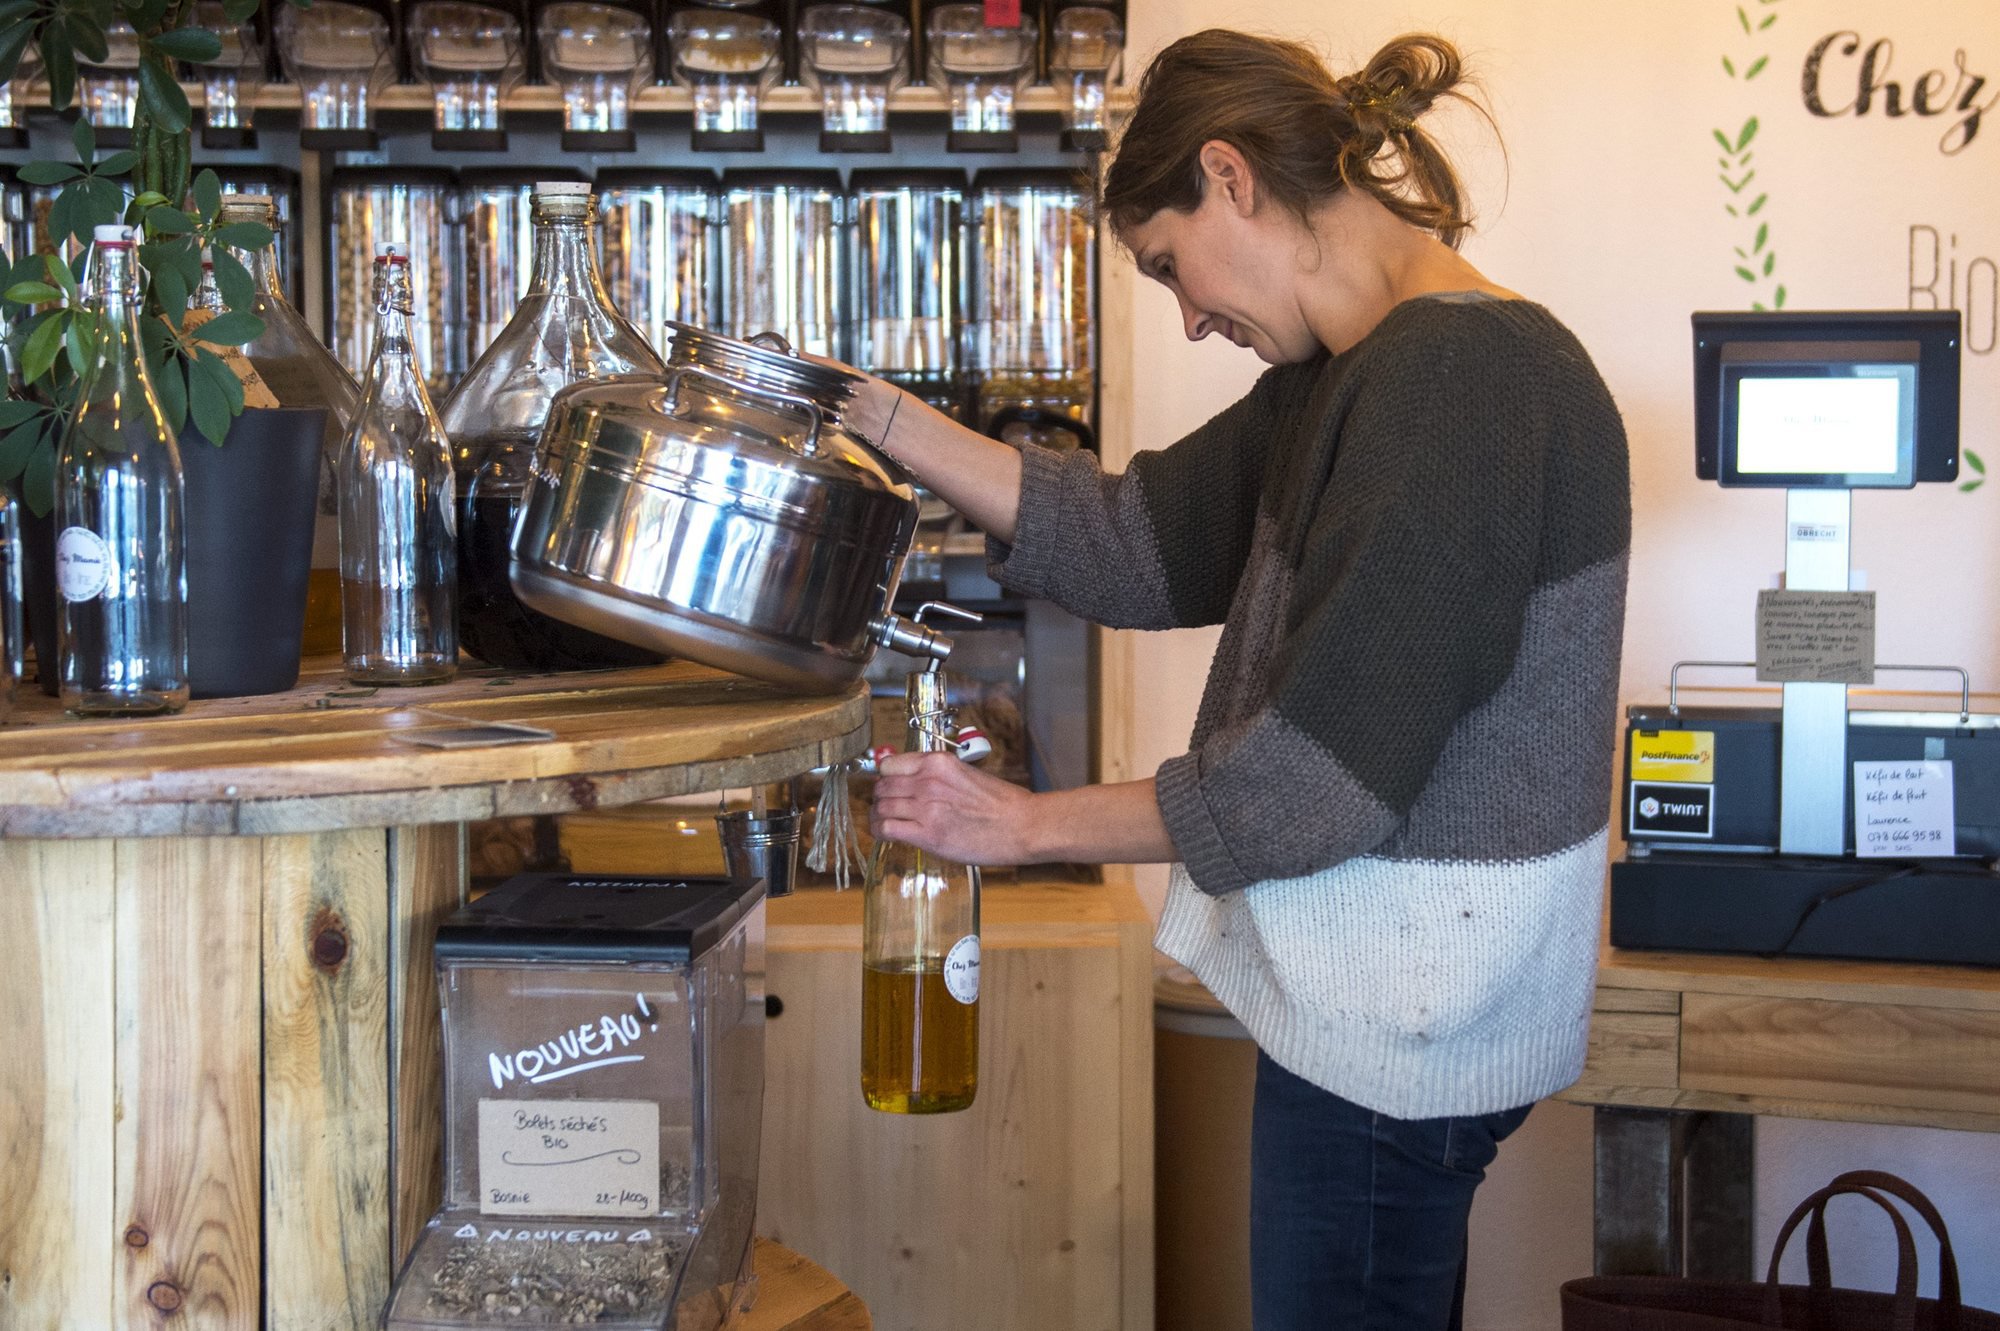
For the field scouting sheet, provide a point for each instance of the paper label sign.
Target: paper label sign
(1673, 755)
(1816, 637)
(569, 1157)
(1904, 809)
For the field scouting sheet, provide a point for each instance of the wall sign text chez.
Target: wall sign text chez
(1843, 75)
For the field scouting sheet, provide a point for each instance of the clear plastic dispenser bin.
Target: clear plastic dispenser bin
(603, 1100)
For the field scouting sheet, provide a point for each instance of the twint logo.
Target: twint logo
(1842, 78)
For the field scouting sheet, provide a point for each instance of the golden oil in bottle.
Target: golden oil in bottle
(920, 1044)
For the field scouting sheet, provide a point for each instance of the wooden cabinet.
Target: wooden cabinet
(1034, 1208)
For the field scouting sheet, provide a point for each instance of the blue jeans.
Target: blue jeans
(1358, 1220)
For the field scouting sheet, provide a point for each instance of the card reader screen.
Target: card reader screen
(1853, 424)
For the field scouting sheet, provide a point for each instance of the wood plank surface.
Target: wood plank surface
(326, 756)
(427, 881)
(189, 1139)
(326, 1081)
(58, 1236)
(1628, 1049)
(794, 1294)
(1896, 982)
(1032, 913)
(1011, 1214)
(1919, 1058)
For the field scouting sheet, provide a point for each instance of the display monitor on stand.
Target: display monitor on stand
(1820, 405)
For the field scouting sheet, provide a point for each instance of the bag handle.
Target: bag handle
(1949, 1298)
(1904, 1317)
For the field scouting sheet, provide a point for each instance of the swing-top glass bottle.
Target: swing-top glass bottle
(398, 561)
(920, 955)
(121, 557)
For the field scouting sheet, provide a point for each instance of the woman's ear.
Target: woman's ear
(1226, 174)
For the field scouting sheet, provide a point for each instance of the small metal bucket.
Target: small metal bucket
(764, 847)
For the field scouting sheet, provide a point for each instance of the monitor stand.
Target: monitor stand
(1812, 817)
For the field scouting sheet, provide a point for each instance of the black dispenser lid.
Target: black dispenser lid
(597, 918)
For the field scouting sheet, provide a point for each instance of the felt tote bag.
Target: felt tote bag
(1662, 1303)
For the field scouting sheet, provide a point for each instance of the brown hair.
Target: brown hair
(1305, 133)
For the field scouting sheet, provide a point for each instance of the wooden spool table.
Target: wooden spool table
(220, 1103)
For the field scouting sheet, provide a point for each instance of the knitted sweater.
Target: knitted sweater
(1393, 812)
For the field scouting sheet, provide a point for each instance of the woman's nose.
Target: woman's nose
(1192, 320)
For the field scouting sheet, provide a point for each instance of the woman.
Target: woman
(1389, 831)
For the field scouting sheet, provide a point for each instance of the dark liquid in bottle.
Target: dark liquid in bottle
(494, 626)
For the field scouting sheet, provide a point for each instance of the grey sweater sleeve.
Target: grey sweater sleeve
(1157, 546)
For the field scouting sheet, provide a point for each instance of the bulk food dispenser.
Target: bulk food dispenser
(603, 1102)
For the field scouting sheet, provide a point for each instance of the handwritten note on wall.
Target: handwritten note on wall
(569, 1157)
(1904, 809)
(1816, 637)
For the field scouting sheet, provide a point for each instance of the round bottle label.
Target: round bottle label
(83, 564)
(961, 969)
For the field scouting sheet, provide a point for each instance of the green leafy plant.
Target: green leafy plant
(1756, 260)
(51, 335)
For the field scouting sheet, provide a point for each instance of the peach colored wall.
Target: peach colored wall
(1609, 209)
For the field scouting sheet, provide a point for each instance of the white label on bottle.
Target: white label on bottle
(961, 969)
(83, 564)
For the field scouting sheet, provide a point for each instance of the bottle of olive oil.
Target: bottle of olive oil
(920, 956)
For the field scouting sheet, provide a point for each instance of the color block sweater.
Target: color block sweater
(1393, 812)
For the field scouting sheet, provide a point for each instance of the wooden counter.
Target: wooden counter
(220, 1101)
(1686, 1048)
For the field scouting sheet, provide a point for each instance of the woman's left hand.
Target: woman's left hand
(936, 803)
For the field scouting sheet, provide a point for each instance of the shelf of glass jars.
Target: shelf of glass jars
(670, 101)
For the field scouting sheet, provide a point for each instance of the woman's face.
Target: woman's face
(1232, 267)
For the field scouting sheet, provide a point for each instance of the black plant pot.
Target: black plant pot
(249, 508)
(38, 590)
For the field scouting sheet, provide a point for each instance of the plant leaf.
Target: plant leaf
(84, 136)
(16, 31)
(1728, 67)
(1745, 274)
(238, 11)
(1972, 460)
(59, 63)
(233, 280)
(159, 90)
(32, 293)
(1756, 68)
(170, 385)
(1770, 262)
(1780, 299)
(118, 164)
(231, 330)
(17, 447)
(59, 273)
(223, 377)
(38, 487)
(170, 293)
(48, 173)
(196, 44)
(87, 37)
(208, 401)
(1749, 133)
(167, 221)
(1751, 211)
(14, 411)
(207, 194)
(43, 345)
(1728, 144)
(243, 235)
(1763, 234)
(104, 203)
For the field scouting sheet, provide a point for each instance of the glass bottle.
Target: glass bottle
(121, 557)
(398, 553)
(567, 329)
(920, 956)
(301, 372)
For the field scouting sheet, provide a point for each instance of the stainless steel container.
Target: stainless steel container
(785, 258)
(416, 207)
(1034, 291)
(656, 244)
(909, 279)
(724, 514)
